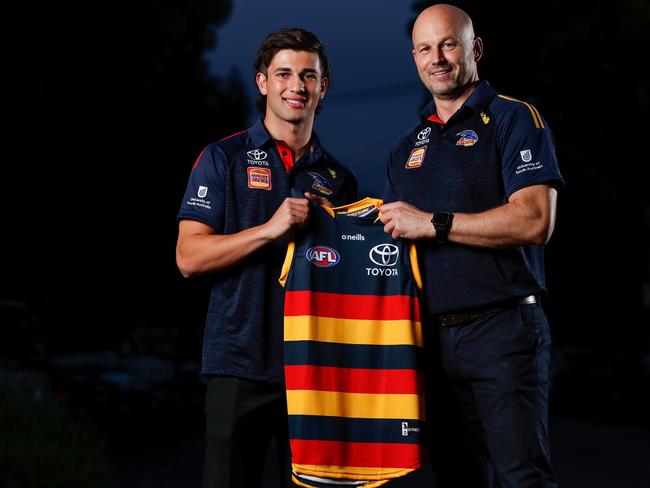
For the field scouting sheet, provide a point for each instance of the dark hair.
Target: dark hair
(288, 38)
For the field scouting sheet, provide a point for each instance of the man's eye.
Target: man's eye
(448, 45)
(311, 76)
(424, 49)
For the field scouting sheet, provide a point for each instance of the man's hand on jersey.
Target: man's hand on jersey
(320, 200)
(402, 220)
(292, 214)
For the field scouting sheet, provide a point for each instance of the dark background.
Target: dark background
(103, 109)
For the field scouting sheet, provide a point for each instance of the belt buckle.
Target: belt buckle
(451, 319)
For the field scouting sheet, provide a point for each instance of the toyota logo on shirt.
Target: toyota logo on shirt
(384, 254)
(424, 133)
(257, 154)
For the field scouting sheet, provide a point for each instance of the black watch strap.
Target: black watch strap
(442, 223)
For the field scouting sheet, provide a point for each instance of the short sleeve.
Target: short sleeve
(527, 150)
(204, 198)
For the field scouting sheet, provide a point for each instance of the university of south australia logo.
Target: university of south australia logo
(323, 256)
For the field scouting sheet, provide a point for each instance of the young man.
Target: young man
(475, 184)
(235, 222)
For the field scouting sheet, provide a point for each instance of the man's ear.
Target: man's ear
(324, 84)
(260, 80)
(478, 49)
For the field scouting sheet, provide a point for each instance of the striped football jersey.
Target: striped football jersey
(352, 350)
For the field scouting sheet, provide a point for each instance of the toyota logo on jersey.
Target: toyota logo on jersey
(323, 256)
(257, 154)
(424, 133)
(384, 254)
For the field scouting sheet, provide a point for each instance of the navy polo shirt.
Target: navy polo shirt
(238, 183)
(490, 148)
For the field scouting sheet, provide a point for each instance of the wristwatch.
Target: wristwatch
(442, 223)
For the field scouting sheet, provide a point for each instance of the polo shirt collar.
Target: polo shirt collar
(477, 101)
(260, 136)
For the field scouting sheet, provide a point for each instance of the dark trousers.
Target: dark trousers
(242, 418)
(487, 397)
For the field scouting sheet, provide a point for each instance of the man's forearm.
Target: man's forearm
(200, 253)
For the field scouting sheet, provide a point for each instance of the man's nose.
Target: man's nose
(437, 56)
(297, 84)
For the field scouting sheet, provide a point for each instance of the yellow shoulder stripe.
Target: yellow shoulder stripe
(286, 266)
(536, 117)
(415, 266)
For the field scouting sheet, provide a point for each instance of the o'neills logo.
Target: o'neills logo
(355, 237)
(323, 256)
(259, 178)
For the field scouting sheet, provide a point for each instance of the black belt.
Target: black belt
(461, 316)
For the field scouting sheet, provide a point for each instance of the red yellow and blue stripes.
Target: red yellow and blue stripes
(354, 386)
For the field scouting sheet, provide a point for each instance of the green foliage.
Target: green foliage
(44, 445)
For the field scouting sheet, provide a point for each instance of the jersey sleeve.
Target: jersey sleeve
(204, 198)
(527, 150)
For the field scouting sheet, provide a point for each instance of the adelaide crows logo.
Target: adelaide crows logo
(320, 184)
(323, 256)
(467, 138)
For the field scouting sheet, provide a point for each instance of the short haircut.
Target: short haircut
(288, 38)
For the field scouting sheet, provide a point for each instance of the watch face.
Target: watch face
(442, 218)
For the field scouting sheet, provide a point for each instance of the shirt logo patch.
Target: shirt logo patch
(423, 136)
(257, 154)
(485, 118)
(203, 191)
(320, 184)
(526, 155)
(416, 158)
(467, 138)
(259, 178)
(323, 256)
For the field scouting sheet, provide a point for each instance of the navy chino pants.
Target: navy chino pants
(487, 397)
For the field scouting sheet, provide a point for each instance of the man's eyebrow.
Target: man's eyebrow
(282, 68)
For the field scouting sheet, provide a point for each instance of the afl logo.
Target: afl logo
(384, 254)
(323, 256)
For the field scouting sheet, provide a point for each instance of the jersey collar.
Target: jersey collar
(259, 136)
(477, 101)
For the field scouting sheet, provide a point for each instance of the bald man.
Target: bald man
(475, 184)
